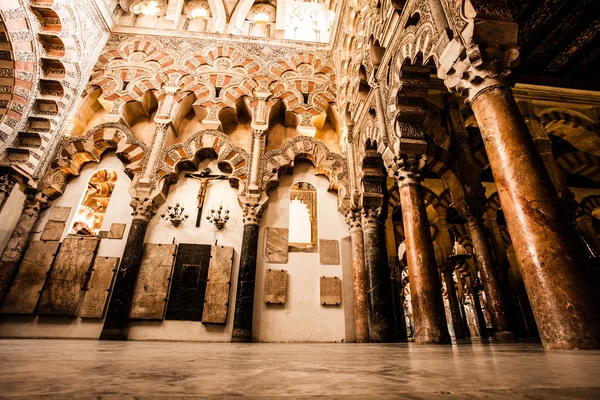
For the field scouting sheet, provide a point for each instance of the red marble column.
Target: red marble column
(425, 286)
(361, 307)
(545, 245)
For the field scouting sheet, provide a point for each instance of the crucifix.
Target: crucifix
(204, 177)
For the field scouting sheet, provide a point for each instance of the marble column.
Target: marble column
(19, 239)
(377, 271)
(457, 323)
(546, 246)
(7, 183)
(361, 309)
(117, 314)
(425, 286)
(244, 299)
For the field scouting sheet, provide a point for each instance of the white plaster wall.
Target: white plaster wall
(118, 211)
(10, 213)
(185, 192)
(303, 318)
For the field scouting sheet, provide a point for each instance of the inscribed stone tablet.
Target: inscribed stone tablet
(60, 214)
(275, 287)
(217, 289)
(53, 230)
(102, 234)
(276, 245)
(25, 290)
(99, 286)
(331, 291)
(68, 276)
(116, 231)
(188, 286)
(329, 252)
(152, 285)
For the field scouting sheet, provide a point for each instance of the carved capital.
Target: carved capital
(35, 204)
(143, 208)
(371, 217)
(258, 133)
(251, 213)
(6, 184)
(353, 219)
(406, 169)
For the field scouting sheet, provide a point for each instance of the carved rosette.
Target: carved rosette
(251, 213)
(143, 209)
(371, 217)
(353, 219)
(406, 169)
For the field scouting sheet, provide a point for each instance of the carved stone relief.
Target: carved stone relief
(275, 287)
(331, 291)
(216, 302)
(99, 287)
(329, 252)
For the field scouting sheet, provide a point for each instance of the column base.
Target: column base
(433, 340)
(241, 336)
(505, 336)
(113, 335)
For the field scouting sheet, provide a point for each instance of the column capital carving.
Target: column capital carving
(353, 219)
(258, 133)
(406, 169)
(143, 208)
(36, 203)
(371, 217)
(7, 182)
(251, 213)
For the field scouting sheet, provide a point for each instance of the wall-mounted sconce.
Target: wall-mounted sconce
(175, 215)
(218, 217)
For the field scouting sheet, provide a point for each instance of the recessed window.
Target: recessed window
(303, 224)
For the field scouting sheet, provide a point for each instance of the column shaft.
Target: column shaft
(244, 299)
(361, 309)
(547, 249)
(457, 321)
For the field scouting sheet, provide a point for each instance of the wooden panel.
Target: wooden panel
(99, 286)
(276, 245)
(60, 214)
(53, 230)
(331, 291)
(62, 292)
(152, 285)
(217, 289)
(275, 287)
(329, 252)
(27, 286)
(186, 299)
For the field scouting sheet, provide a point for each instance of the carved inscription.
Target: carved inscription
(275, 287)
(329, 252)
(99, 286)
(53, 230)
(27, 286)
(60, 214)
(116, 231)
(276, 245)
(152, 285)
(62, 292)
(331, 291)
(188, 288)
(217, 288)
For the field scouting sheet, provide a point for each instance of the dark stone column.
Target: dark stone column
(547, 248)
(457, 323)
(244, 299)
(15, 248)
(117, 315)
(7, 183)
(379, 291)
(361, 308)
(425, 286)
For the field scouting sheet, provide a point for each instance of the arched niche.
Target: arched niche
(89, 214)
(139, 116)
(303, 228)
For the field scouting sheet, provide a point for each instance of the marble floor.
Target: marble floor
(49, 369)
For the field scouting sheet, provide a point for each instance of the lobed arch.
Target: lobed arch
(75, 152)
(206, 143)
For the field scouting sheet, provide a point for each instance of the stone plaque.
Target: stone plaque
(331, 291)
(152, 285)
(102, 234)
(188, 287)
(99, 286)
(275, 287)
(116, 231)
(329, 252)
(60, 214)
(53, 230)
(276, 245)
(27, 286)
(62, 291)
(217, 289)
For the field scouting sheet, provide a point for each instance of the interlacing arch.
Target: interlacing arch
(552, 117)
(584, 164)
(332, 165)
(206, 143)
(588, 205)
(75, 152)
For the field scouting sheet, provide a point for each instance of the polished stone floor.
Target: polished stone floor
(32, 369)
